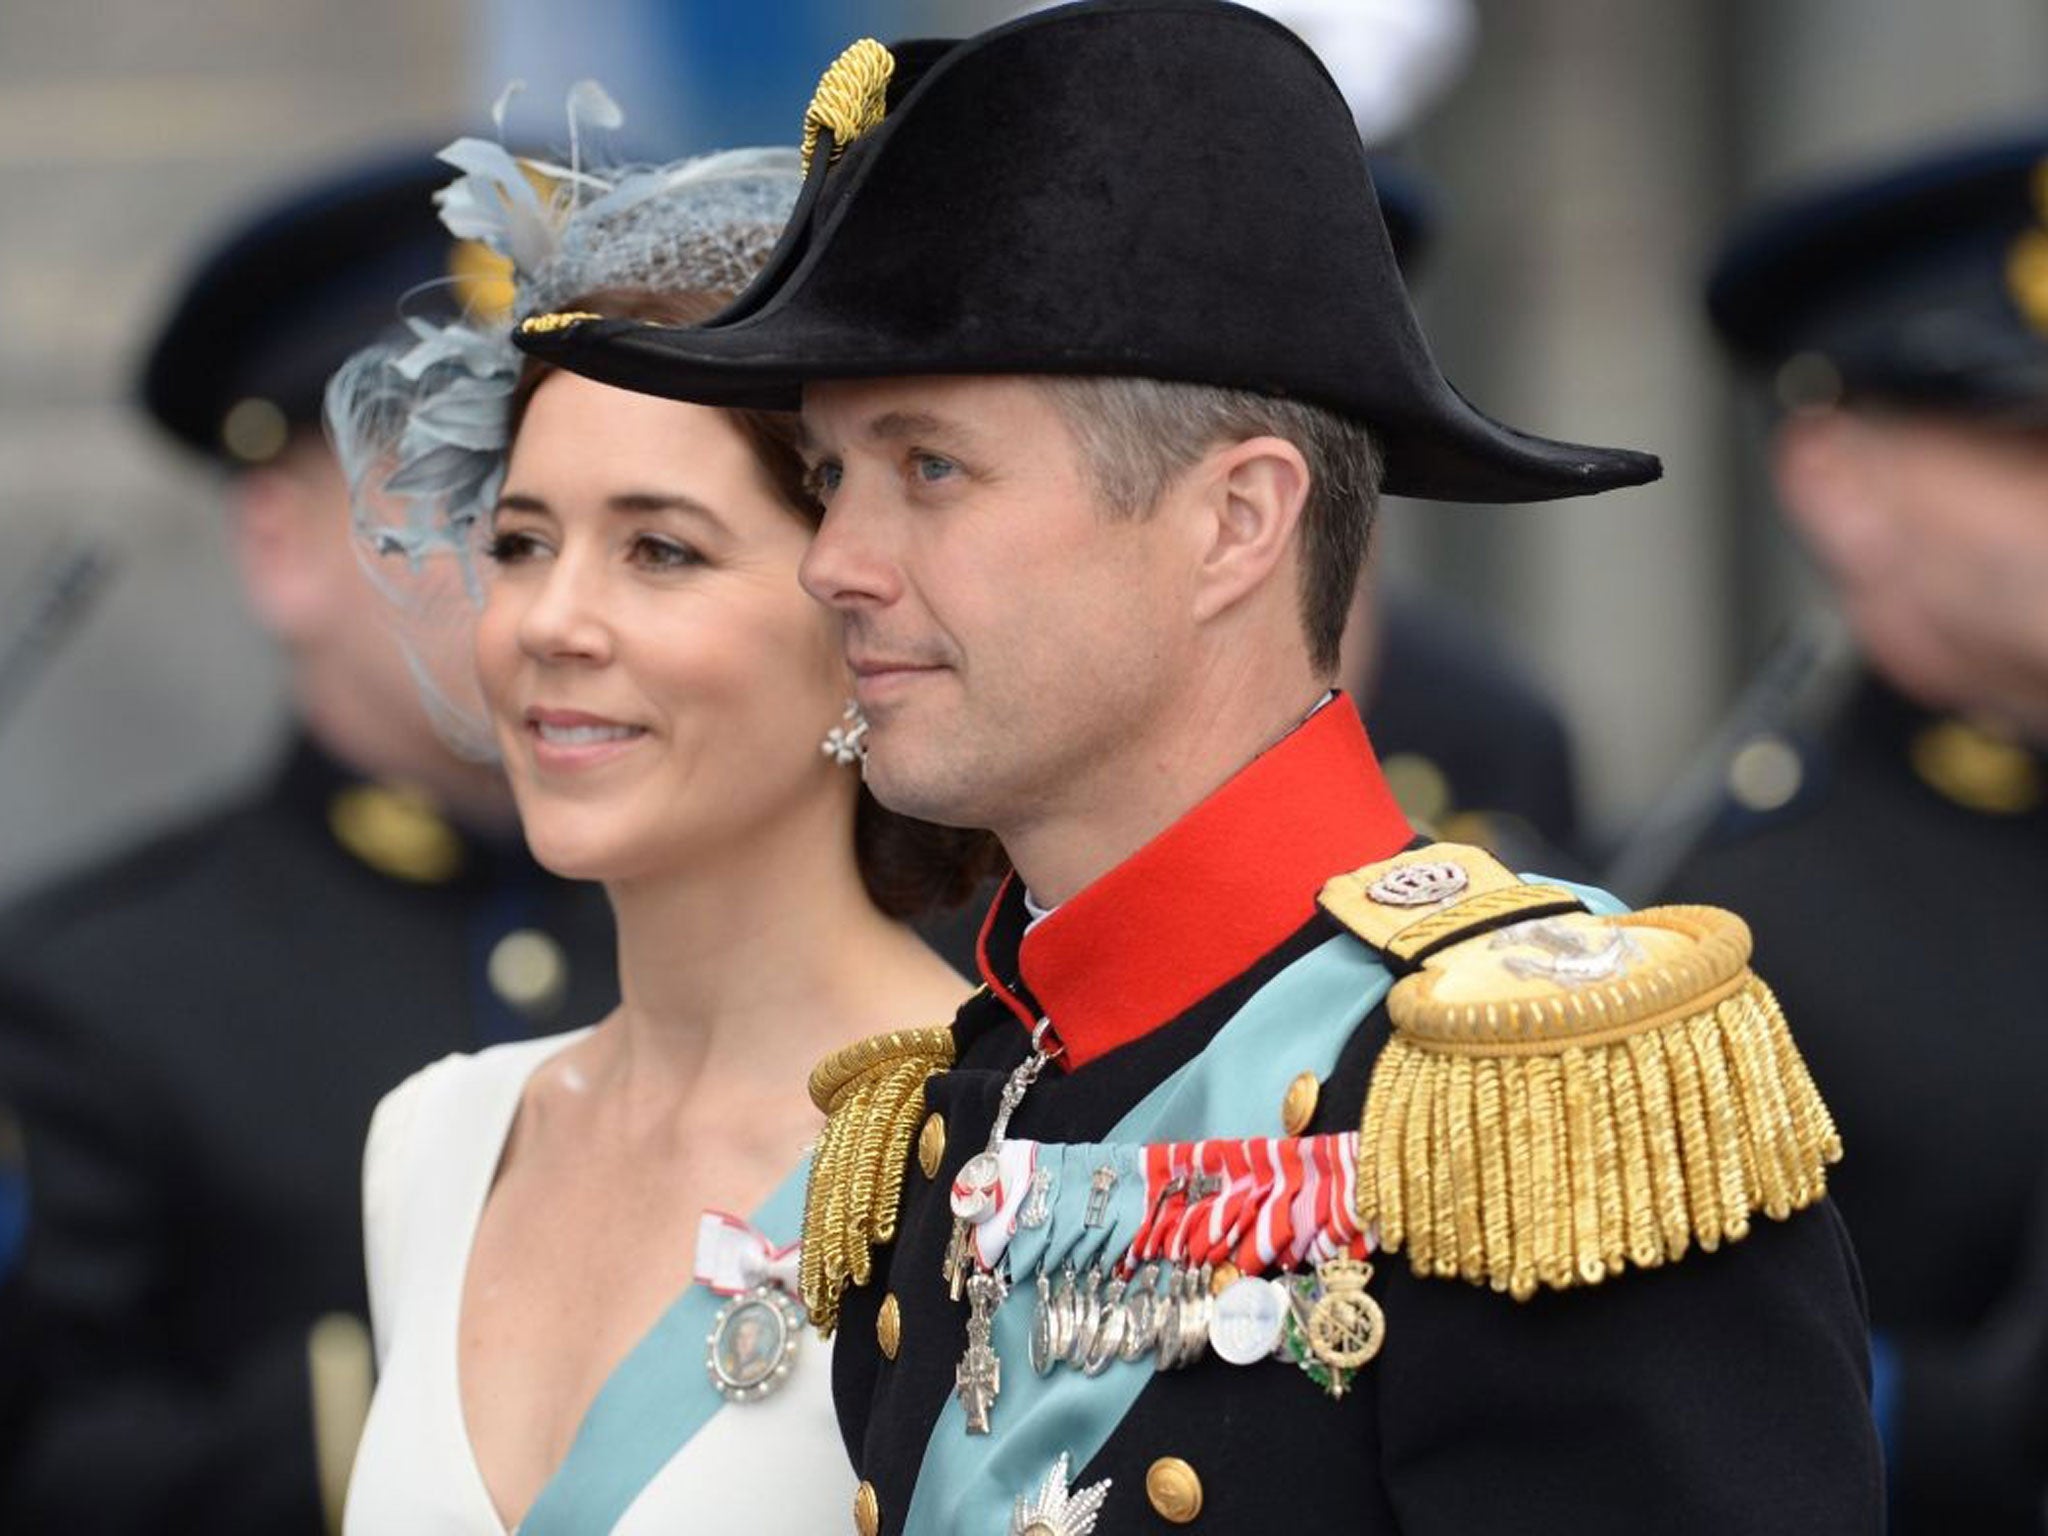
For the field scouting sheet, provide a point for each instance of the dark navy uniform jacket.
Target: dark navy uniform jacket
(1724, 1393)
(194, 1036)
(1901, 909)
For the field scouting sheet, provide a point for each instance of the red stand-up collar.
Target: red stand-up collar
(1201, 902)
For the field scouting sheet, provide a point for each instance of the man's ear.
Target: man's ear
(1828, 468)
(1252, 496)
(283, 560)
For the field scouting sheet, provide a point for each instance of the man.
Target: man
(1100, 349)
(1891, 840)
(195, 1033)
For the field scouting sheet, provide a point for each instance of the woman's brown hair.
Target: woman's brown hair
(910, 868)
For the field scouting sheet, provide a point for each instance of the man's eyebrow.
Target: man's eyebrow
(891, 427)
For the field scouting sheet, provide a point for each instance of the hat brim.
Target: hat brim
(1451, 453)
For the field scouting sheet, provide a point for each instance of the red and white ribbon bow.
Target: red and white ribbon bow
(735, 1256)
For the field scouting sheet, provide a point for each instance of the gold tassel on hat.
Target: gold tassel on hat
(872, 1093)
(1569, 1095)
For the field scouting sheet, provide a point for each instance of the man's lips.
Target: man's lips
(875, 678)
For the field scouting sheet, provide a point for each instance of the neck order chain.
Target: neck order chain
(977, 1192)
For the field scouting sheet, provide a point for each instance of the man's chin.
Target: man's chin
(923, 795)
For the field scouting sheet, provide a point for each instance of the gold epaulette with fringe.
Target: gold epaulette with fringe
(872, 1093)
(1567, 1094)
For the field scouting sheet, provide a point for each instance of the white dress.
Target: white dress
(659, 1451)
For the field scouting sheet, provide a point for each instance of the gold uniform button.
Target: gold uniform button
(1766, 774)
(889, 1326)
(931, 1144)
(530, 971)
(1173, 1488)
(867, 1510)
(1298, 1107)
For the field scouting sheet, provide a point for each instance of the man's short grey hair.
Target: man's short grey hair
(1138, 435)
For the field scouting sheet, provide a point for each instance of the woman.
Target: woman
(576, 1243)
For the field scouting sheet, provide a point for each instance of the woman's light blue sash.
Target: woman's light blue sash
(652, 1404)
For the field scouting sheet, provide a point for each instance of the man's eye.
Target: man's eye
(930, 468)
(654, 553)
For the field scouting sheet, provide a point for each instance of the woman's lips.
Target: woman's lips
(569, 739)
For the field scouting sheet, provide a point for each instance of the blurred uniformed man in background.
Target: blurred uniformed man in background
(1885, 824)
(195, 1033)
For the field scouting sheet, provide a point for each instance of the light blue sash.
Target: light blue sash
(652, 1404)
(1298, 1022)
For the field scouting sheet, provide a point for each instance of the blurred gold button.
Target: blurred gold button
(867, 1510)
(931, 1144)
(255, 430)
(1765, 774)
(1173, 1488)
(889, 1326)
(1298, 1107)
(529, 970)
(1419, 787)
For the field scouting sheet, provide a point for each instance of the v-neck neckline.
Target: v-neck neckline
(506, 1115)
(490, 1153)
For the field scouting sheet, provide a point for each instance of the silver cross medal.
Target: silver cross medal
(979, 1376)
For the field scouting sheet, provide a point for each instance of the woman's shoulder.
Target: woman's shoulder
(463, 1088)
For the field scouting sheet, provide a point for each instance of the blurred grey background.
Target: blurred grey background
(1586, 163)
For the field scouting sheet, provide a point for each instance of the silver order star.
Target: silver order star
(1055, 1511)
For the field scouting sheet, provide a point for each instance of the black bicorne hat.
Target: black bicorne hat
(1922, 283)
(248, 343)
(1168, 189)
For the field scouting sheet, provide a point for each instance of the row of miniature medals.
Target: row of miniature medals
(1184, 1237)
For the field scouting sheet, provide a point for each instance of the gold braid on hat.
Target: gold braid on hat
(850, 99)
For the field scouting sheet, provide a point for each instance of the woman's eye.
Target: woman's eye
(821, 480)
(654, 553)
(510, 546)
(931, 469)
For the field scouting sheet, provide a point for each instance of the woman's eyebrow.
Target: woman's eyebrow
(643, 502)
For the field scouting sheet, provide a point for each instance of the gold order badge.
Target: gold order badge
(1345, 1326)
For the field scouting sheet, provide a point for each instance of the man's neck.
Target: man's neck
(1146, 792)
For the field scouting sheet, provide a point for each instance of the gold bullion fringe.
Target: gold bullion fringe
(873, 1097)
(1563, 1168)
